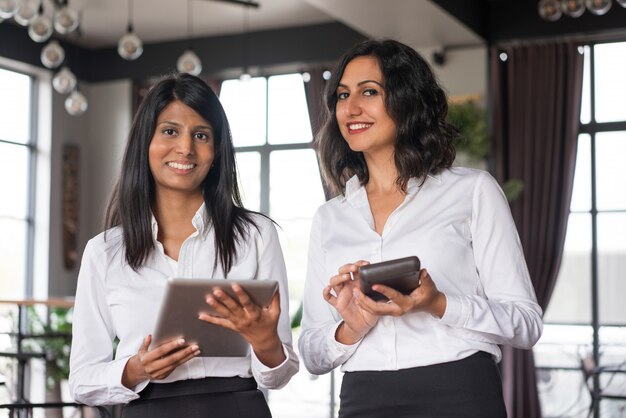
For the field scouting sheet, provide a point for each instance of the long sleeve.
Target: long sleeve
(95, 378)
(507, 311)
(320, 351)
(271, 266)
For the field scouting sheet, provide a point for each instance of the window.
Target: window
(586, 318)
(279, 176)
(16, 175)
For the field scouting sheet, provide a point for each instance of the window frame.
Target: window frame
(31, 146)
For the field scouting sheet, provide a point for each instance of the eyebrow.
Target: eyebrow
(360, 83)
(169, 122)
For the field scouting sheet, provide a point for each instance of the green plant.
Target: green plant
(471, 121)
(52, 337)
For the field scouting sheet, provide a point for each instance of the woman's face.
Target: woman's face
(361, 114)
(181, 150)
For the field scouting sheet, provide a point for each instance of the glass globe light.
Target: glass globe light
(40, 29)
(130, 46)
(65, 20)
(550, 10)
(306, 77)
(573, 8)
(27, 11)
(598, 7)
(189, 63)
(621, 2)
(64, 81)
(76, 103)
(7, 8)
(52, 55)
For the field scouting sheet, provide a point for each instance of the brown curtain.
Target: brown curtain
(536, 108)
(314, 91)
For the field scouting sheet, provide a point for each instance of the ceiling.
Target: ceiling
(420, 23)
(293, 33)
(103, 22)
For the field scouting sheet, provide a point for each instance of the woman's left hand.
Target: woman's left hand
(257, 325)
(425, 298)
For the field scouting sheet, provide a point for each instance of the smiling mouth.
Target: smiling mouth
(180, 166)
(355, 128)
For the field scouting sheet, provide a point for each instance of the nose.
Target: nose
(352, 105)
(185, 145)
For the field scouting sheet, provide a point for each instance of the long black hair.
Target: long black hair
(134, 194)
(413, 99)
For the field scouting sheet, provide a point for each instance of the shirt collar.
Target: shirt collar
(354, 187)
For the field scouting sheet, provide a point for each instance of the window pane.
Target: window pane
(13, 180)
(12, 258)
(249, 168)
(581, 195)
(245, 104)
(612, 267)
(585, 108)
(563, 393)
(295, 184)
(610, 83)
(15, 106)
(288, 117)
(610, 175)
(571, 299)
(295, 194)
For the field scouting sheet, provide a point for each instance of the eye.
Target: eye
(169, 131)
(342, 95)
(202, 137)
(370, 92)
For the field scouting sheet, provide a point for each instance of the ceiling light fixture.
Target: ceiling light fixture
(40, 28)
(26, 12)
(130, 46)
(65, 19)
(64, 81)
(76, 103)
(245, 74)
(552, 10)
(189, 62)
(52, 55)
(8, 8)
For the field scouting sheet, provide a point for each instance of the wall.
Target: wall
(101, 134)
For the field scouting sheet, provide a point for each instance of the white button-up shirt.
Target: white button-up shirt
(112, 301)
(459, 225)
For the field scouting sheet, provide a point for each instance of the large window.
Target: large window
(16, 191)
(582, 354)
(280, 177)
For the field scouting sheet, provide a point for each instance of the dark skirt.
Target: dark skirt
(211, 397)
(470, 387)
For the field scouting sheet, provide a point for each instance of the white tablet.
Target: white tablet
(185, 299)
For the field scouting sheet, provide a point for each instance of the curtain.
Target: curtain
(314, 91)
(536, 112)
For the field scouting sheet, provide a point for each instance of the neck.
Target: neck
(174, 211)
(382, 172)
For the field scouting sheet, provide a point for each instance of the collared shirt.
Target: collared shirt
(112, 301)
(459, 225)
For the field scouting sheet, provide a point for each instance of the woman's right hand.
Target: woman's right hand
(357, 322)
(157, 363)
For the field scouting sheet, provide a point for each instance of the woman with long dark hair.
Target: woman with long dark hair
(386, 151)
(176, 212)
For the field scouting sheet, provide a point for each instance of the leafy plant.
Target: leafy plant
(52, 337)
(471, 120)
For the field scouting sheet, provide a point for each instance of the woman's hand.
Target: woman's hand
(357, 322)
(257, 325)
(157, 363)
(425, 298)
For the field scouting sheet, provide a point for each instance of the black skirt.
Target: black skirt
(470, 387)
(211, 397)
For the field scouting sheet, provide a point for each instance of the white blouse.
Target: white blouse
(459, 225)
(112, 301)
